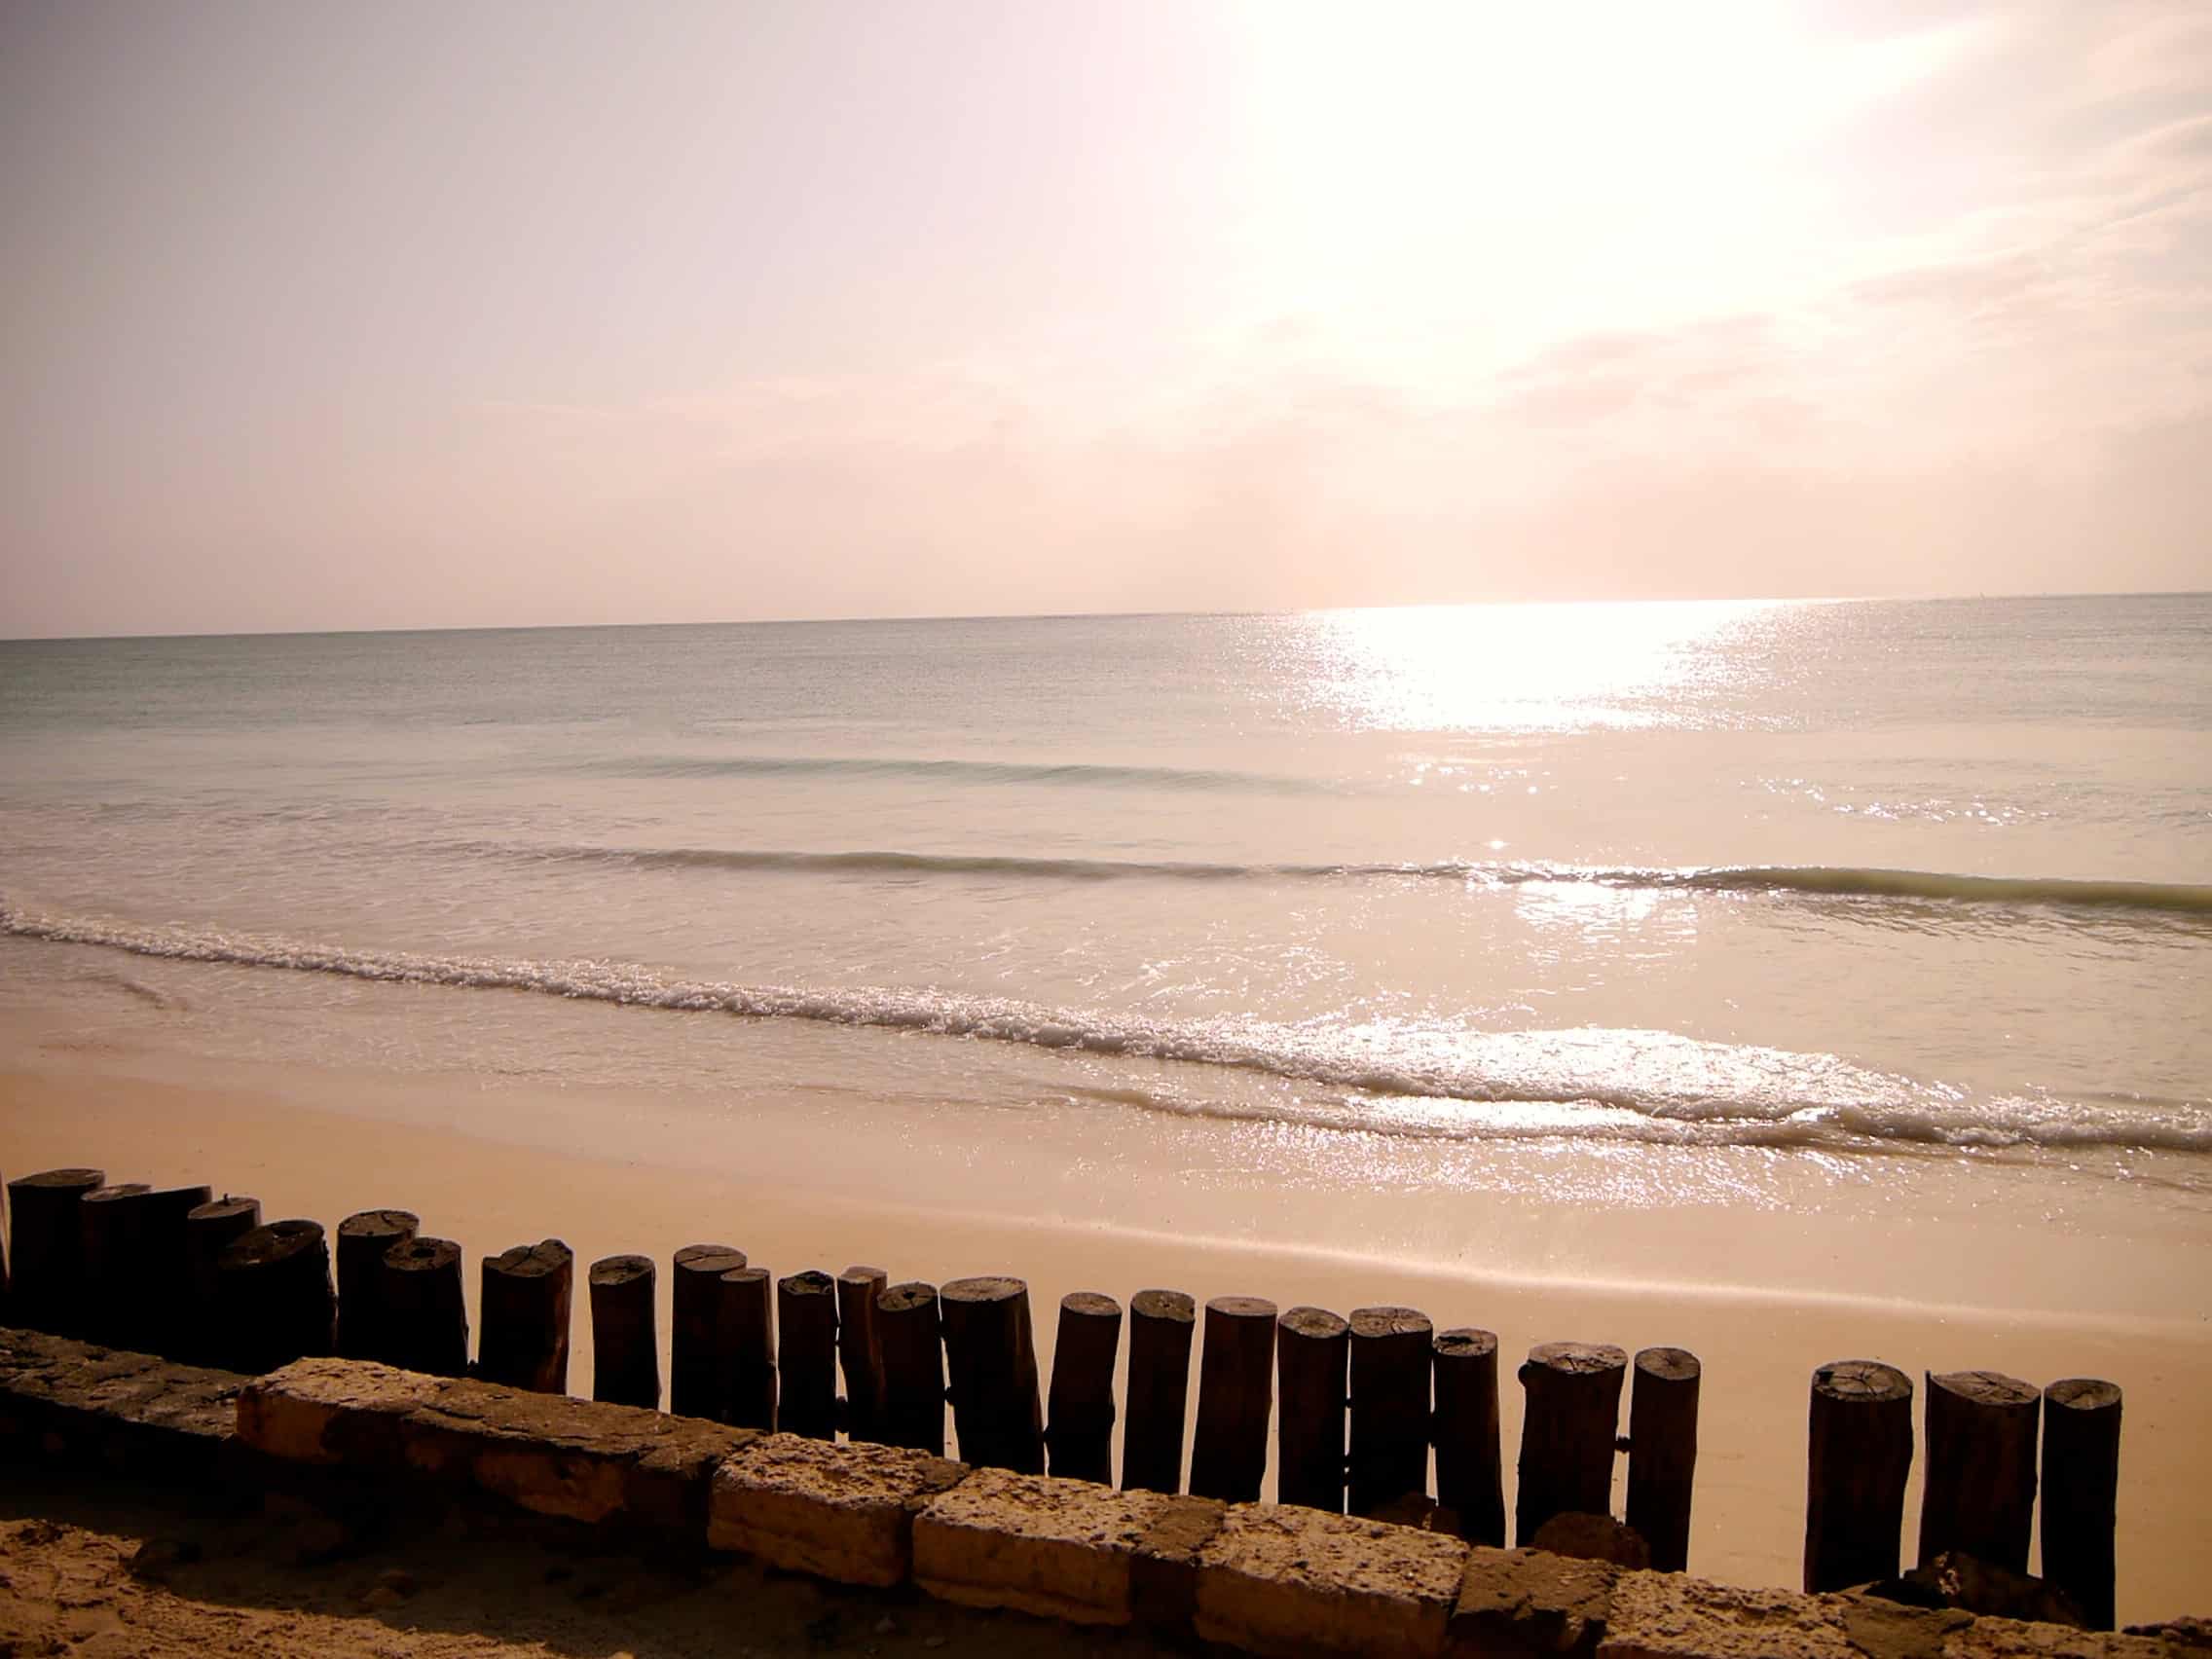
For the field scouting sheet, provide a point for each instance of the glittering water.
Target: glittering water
(1928, 878)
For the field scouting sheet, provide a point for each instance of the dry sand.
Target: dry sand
(273, 1137)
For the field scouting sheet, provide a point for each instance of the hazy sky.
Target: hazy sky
(434, 313)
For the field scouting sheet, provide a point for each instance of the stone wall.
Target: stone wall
(1263, 1578)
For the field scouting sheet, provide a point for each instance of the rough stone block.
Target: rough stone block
(1278, 1579)
(332, 1410)
(127, 1409)
(572, 1459)
(2010, 1639)
(543, 1453)
(1666, 1615)
(842, 1512)
(1059, 1548)
(1163, 1575)
(1523, 1602)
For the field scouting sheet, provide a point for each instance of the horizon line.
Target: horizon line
(1084, 615)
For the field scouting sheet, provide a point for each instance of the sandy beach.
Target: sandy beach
(322, 1143)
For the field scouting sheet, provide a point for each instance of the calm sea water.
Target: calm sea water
(1928, 878)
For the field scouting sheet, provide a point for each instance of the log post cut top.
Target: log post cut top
(993, 1354)
(1160, 1325)
(1469, 1482)
(1568, 1433)
(1079, 1433)
(1980, 1488)
(363, 1237)
(1859, 1454)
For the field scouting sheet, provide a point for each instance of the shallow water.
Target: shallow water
(1900, 879)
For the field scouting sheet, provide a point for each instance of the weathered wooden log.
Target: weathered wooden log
(2081, 1491)
(113, 1222)
(913, 1367)
(1568, 1426)
(1162, 1323)
(524, 1301)
(860, 1349)
(806, 1320)
(1229, 1448)
(421, 1309)
(1662, 1453)
(1079, 1435)
(166, 1275)
(1859, 1451)
(625, 1344)
(1389, 1407)
(208, 1230)
(1311, 1349)
(273, 1296)
(991, 1353)
(750, 1310)
(46, 1245)
(701, 1369)
(1469, 1481)
(363, 1237)
(7, 1281)
(1978, 1490)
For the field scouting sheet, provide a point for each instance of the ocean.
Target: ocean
(1351, 897)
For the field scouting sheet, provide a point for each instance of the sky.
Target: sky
(453, 313)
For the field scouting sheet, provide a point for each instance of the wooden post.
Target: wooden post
(2081, 1489)
(208, 1230)
(860, 1351)
(1568, 1428)
(47, 1245)
(806, 1318)
(1162, 1323)
(625, 1345)
(274, 1297)
(1979, 1492)
(1389, 1407)
(992, 1357)
(1080, 1436)
(165, 1274)
(701, 1380)
(363, 1237)
(913, 1367)
(1662, 1453)
(1229, 1450)
(524, 1305)
(1859, 1451)
(751, 1315)
(113, 1221)
(419, 1306)
(1469, 1481)
(1311, 1349)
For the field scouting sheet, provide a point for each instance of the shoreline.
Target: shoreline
(272, 1131)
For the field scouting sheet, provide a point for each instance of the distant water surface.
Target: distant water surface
(1925, 878)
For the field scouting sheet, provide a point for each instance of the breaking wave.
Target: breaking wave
(1645, 1085)
(1922, 886)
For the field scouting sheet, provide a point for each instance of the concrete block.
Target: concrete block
(1666, 1616)
(842, 1512)
(1527, 1602)
(1058, 1548)
(1277, 1579)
